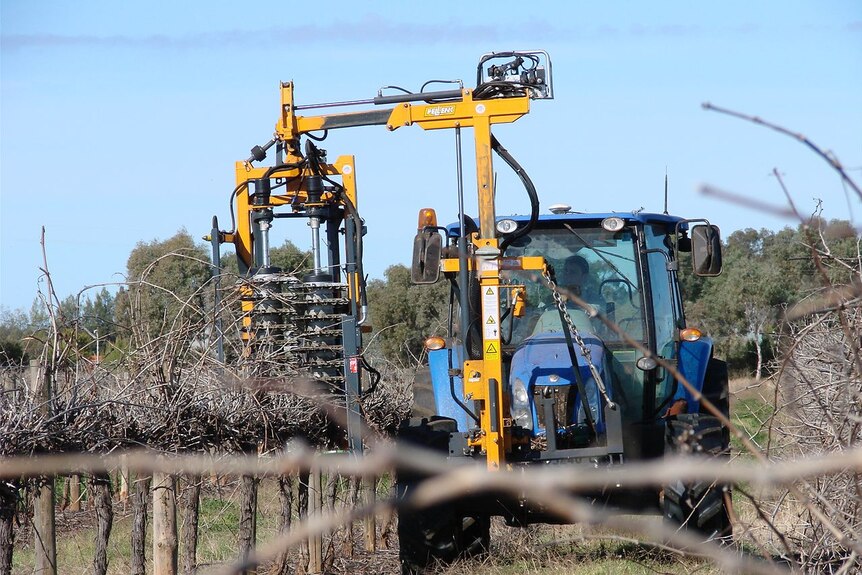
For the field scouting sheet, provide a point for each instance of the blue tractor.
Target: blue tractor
(567, 340)
(590, 326)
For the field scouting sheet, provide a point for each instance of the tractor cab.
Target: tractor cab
(579, 339)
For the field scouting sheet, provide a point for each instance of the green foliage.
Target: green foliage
(98, 314)
(763, 273)
(403, 315)
(13, 329)
(288, 257)
(12, 353)
(22, 335)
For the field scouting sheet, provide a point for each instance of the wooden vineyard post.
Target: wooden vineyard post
(369, 523)
(248, 519)
(44, 533)
(302, 513)
(164, 524)
(8, 507)
(191, 510)
(354, 484)
(140, 500)
(315, 509)
(285, 499)
(101, 484)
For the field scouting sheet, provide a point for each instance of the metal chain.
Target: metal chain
(585, 350)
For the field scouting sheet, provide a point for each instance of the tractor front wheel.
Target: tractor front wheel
(698, 506)
(440, 534)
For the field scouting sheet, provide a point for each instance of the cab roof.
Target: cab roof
(581, 217)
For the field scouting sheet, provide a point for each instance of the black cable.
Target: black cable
(266, 175)
(375, 375)
(318, 138)
(531, 192)
(454, 395)
(500, 88)
(504, 339)
(234, 194)
(422, 89)
(405, 90)
(281, 167)
(500, 55)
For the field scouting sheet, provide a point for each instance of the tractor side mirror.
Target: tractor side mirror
(427, 247)
(706, 250)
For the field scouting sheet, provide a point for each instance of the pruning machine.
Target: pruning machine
(528, 373)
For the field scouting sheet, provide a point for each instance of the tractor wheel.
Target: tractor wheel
(698, 506)
(717, 390)
(439, 534)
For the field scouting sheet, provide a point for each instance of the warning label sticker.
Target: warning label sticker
(491, 313)
(491, 351)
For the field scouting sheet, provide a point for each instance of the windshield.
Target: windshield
(599, 266)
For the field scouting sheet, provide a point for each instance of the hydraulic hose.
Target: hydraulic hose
(531, 192)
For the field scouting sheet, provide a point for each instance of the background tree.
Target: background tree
(290, 258)
(98, 313)
(164, 278)
(403, 315)
(763, 273)
(287, 256)
(740, 307)
(13, 329)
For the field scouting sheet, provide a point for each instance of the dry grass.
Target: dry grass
(537, 549)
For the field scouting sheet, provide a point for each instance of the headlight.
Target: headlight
(521, 412)
(646, 363)
(613, 224)
(507, 226)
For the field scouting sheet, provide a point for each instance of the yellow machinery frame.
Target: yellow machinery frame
(482, 378)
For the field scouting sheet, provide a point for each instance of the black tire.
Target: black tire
(700, 506)
(716, 388)
(441, 534)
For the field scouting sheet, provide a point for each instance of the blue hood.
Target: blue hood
(545, 355)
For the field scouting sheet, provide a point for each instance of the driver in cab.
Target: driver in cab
(573, 278)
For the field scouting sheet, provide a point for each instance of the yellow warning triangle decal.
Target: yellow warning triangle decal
(490, 320)
(491, 348)
(490, 291)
